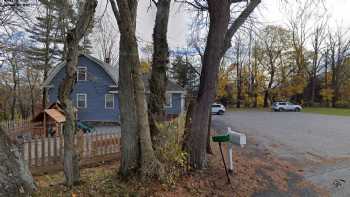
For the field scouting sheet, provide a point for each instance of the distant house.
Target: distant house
(96, 92)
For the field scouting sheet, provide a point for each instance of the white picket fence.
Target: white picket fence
(44, 155)
(14, 126)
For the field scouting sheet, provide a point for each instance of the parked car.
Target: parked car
(286, 106)
(218, 109)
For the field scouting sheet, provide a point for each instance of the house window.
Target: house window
(168, 100)
(109, 101)
(81, 101)
(82, 74)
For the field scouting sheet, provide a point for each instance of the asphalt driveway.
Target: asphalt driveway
(320, 143)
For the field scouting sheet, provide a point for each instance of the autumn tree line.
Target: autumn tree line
(32, 41)
(306, 61)
(279, 58)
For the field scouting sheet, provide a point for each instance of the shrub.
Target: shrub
(169, 149)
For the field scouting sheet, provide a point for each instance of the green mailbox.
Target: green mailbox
(221, 138)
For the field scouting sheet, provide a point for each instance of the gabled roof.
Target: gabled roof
(112, 72)
(171, 85)
(106, 67)
(56, 115)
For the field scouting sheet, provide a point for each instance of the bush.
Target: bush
(169, 149)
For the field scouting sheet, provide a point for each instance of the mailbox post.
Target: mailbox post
(220, 139)
(231, 137)
(235, 138)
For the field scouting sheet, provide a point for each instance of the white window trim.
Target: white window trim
(82, 67)
(171, 100)
(182, 103)
(106, 102)
(85, 105)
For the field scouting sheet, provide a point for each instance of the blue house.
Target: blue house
(96, 91)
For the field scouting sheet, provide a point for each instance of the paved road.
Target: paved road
(320, 143)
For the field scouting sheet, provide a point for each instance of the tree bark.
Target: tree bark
(267, 91)
(160, 60)
(15, 177)
(209, 150)
(272, 77)
(71, 157)
(218, 42)
(266, 98)
(219, 13)
(137, 150)
(150, 165)
(128, 59)
(130, 148)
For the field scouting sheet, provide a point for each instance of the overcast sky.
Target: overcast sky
(269, 12)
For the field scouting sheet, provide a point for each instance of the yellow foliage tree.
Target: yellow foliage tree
(327, 94)
(145, 67)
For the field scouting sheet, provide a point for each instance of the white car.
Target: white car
(286, 106)
(217, 108)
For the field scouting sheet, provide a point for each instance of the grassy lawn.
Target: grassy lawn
(328, 111)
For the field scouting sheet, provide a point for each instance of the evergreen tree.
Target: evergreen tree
(48, 34)
(45, 36)
(184, 73)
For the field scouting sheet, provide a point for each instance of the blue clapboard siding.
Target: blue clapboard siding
(96, 86)
(176, 104)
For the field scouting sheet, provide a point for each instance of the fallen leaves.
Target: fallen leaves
(254, 172)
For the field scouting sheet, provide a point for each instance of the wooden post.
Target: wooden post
(36, 152)
(43, 151)
(30, 153)
(55, 153)
(57, 128)
(45, 133)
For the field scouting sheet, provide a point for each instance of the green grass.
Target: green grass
(328, 111)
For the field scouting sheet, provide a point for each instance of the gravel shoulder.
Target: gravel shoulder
(319, 144)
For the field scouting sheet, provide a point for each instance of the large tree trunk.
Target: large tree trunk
(15, 177)
(218, 42)
(130, 149)
(128, 59)
(150, 166)
(219, 12)
(209, 150)
(71, 157)
(137, 150)
(266, 98)
(267, 91)
(158, 81)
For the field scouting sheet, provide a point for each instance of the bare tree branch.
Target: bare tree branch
(238, 23)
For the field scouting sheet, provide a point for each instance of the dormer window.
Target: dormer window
(82, 73)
